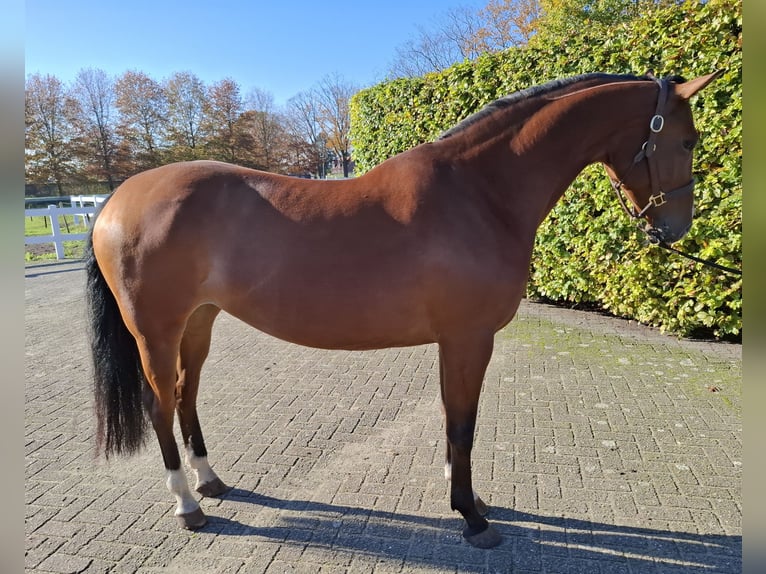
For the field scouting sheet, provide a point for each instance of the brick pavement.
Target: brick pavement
(602, 447)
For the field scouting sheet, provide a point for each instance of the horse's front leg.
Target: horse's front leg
(480, 506)
(463, 362)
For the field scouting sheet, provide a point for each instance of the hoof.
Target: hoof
(481, 508)
(192, 520)
(488, 538)
(213, 488)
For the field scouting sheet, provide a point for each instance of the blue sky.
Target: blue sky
(280, 46)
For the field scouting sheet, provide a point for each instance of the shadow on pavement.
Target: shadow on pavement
(531, 542)
(54, 267)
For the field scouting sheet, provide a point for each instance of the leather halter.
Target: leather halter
(658, 197)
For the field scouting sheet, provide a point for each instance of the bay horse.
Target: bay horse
(431, 246)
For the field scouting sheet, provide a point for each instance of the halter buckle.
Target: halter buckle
(646, 151)
(657, 200)
(657, 123)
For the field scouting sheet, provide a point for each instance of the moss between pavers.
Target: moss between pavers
(695, 372)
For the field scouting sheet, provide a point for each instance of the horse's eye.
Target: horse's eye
(689, 144)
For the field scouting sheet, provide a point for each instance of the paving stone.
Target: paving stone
(65, 564)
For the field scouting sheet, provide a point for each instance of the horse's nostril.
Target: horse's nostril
(654, 234)
(664, 234)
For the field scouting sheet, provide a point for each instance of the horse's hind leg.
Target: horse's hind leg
(159, 355)
(195, 345)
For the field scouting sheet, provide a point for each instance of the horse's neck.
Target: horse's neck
(549, 147)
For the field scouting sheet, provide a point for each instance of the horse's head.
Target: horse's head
(656, 175)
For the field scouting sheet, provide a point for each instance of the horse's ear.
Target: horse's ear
(688, 89)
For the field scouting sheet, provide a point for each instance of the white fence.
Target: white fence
(82, 210)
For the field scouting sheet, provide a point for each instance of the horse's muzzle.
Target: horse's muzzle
(667, 234)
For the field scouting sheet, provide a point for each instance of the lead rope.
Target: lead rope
(698, 259)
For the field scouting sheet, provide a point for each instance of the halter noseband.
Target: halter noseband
(647, 152)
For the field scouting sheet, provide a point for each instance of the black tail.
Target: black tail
(119, 377)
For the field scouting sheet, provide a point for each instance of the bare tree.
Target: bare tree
(308, 141)
(266, 131)
(96, 121)
(461, 28)
(142, 107)
(48, 133)
(333, 96)
(186, 98)
(454, 37)
(464, 33)
(431, 51)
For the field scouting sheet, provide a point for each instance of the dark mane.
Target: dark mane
(531, 92)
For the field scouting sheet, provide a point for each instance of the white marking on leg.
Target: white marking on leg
(201, 467)
(475, 496)
(448, 471)
(177, 484)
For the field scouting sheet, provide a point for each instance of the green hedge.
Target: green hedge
(587, 250)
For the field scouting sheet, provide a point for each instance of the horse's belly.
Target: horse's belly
(333, 310)
(363, 298)
(350, 325)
